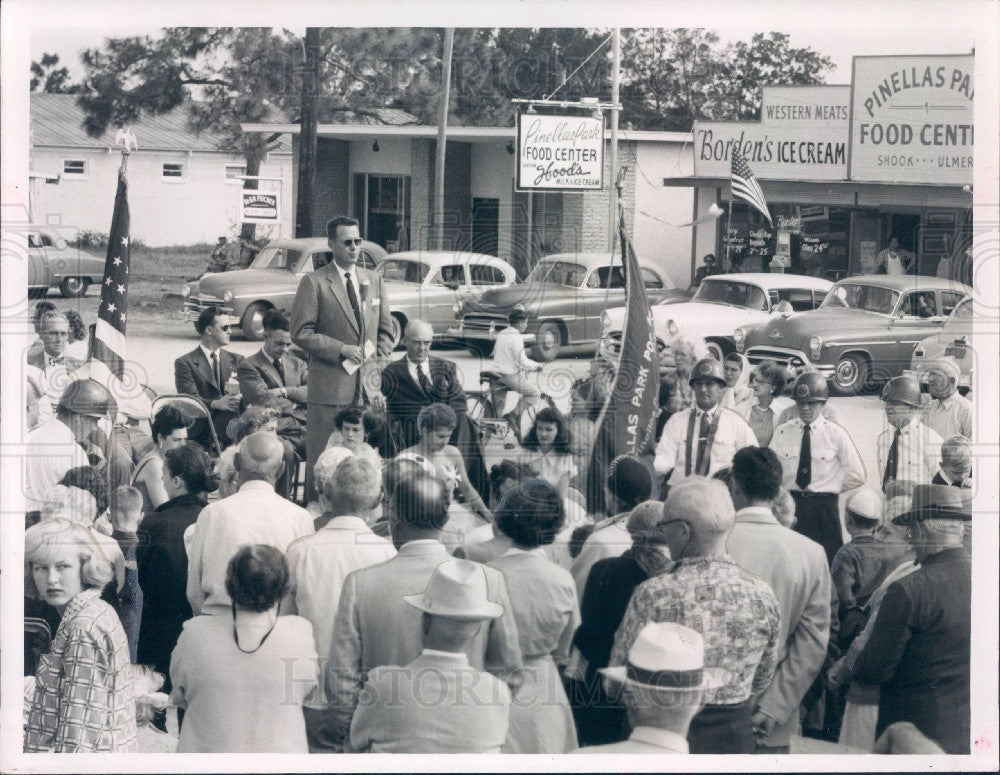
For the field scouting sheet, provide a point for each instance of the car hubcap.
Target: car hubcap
(847, 373)
(548, 339)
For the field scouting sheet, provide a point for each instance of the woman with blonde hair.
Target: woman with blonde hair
(83, 698)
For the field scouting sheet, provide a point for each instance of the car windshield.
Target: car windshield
(276, 258)
(558, 273)
(870, 298)
(399, 271)
(736, 294)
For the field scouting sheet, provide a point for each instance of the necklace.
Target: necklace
(236, 635)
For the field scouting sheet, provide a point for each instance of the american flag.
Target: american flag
(108, 342)
(744, 185)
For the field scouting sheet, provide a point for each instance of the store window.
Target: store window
(382, 207)
(74, 167)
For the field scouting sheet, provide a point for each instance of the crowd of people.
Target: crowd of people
(402, 597)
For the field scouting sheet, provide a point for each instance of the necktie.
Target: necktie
(280, 369)
(892, 462)
(425, 381)
(216, 372)
(352, 297)
(803, 476)
(702, 446)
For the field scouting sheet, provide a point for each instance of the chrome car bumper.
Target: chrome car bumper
(484, 329)
(194, 305)
(794, 360)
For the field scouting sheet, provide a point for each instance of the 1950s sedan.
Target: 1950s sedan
(52, 263)
(564, 296)
(269, 282)
(864, 331)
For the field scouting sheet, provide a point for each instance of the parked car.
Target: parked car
(52, 263)
(564, 296)
(269, 282)
(430, 285)
(721, 304)
(952, 340)
(864, 331)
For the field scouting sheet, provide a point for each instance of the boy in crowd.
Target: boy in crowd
(125, 512)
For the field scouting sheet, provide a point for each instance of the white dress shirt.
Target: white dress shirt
(50, 451)
(836, 462)
(318, 565)
(918, 454)
(353, 280)
(255, 514)
(951, 416)
(648, 740)
(414, 369)
(733, 434)
(611, 540)
(508, 353)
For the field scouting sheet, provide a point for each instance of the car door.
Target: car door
(39, 274)
(917, 316)
(603, 289)
(441, 290)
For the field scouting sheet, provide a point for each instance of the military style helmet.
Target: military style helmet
(903, 390)
(810, 387)
(87, 397)
(708, 368)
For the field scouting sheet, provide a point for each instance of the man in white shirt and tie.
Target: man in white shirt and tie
(512, 364)
(819, 460)
(703, 439)
(908, 451)
(949, 414)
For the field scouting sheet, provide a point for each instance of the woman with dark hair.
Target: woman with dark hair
(549, 439)
(170, 428)
(544, 606)
(162, 559)
(243, 679)
(609, 588)
(763, 411)
(83, 699)
(78, 344)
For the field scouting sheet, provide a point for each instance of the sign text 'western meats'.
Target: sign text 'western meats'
(560, 152)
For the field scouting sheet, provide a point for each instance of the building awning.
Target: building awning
(841, 186)
(473, 134)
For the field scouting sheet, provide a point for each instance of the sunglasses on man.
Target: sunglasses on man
(351, 242)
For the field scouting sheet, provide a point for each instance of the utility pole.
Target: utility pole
(616, 66)
(449, 44)
(307, 136)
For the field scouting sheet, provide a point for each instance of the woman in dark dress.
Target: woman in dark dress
(609, 588)
(162, 559)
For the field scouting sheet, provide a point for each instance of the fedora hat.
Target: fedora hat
(456, 590)
(669, 657)
(935, 501)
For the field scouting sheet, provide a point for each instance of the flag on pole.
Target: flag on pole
(627, 417)
(744, 185)
(109, 334)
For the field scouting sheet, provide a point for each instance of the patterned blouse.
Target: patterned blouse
(735, 611)
(83, 694)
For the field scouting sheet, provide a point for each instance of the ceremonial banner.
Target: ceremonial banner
(627, 417)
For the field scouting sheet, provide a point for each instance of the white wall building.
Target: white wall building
(182, 189)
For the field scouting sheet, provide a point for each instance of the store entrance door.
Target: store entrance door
(866, 230)
(905, 227)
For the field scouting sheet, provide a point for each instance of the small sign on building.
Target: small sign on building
(560, 153)
(260, 207)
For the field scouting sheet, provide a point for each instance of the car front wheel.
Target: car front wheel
(74, 287)
(850, 375)
(252, 322)
(548, 343)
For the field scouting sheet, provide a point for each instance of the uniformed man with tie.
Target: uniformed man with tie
(703, 439)
(908, 451)
(819, 461)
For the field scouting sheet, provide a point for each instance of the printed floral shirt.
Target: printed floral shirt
(83, 692)
(735, 611)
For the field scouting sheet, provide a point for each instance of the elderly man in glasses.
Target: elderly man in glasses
(340, 316)
(207, 371)
(52, 360)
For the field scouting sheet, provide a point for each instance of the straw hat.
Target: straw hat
(935, 501)
(669, 657)
(456, 590)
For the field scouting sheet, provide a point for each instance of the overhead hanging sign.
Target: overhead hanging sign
(560, 153)
(912, 119)
(802, 135)
(260, 207)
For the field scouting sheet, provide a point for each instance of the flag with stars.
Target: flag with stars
(745, 186)
(108, 342)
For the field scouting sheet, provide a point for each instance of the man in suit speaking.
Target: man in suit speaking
(340, 316)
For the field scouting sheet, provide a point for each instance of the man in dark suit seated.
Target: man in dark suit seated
(419, 380)
(205, 372)
(272, 377)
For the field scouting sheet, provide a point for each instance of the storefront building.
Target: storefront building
(845, 170)
(383, 175)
